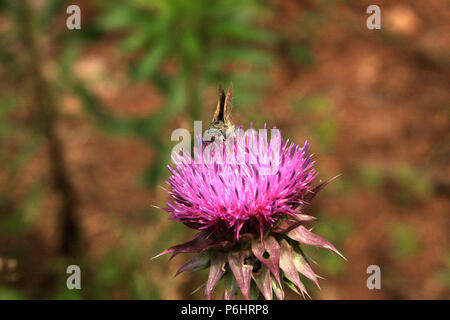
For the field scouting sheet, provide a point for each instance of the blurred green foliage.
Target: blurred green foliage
(19, 141)
(414, 186)
(7, 293)
(315, 104)
(318, 119)
(370, 176)
(442, 277)
(404, 240)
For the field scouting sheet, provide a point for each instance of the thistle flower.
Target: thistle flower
(248, 210)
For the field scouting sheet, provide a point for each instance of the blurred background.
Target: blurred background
(86, 117)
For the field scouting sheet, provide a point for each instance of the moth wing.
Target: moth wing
(228, 106)
(219, 114)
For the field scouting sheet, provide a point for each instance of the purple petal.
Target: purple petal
(225, 244)
(287, 265)
(216, 271)
(195, 245)
(313, 192)
(262, 280)
(271, 246)
(242, 272)
(304, 217)
(302, 265)
(303, 235)
(199, 262)
(286, 225)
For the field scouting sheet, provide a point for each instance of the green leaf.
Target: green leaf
(151, 62)
(404, 240)
(241, 32)
(117, 17)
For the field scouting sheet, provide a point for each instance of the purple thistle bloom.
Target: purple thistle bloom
(236, 198)
(248, 209)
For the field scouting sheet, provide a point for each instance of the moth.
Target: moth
(221, 124)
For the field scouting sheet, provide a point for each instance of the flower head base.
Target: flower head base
(245, 196)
